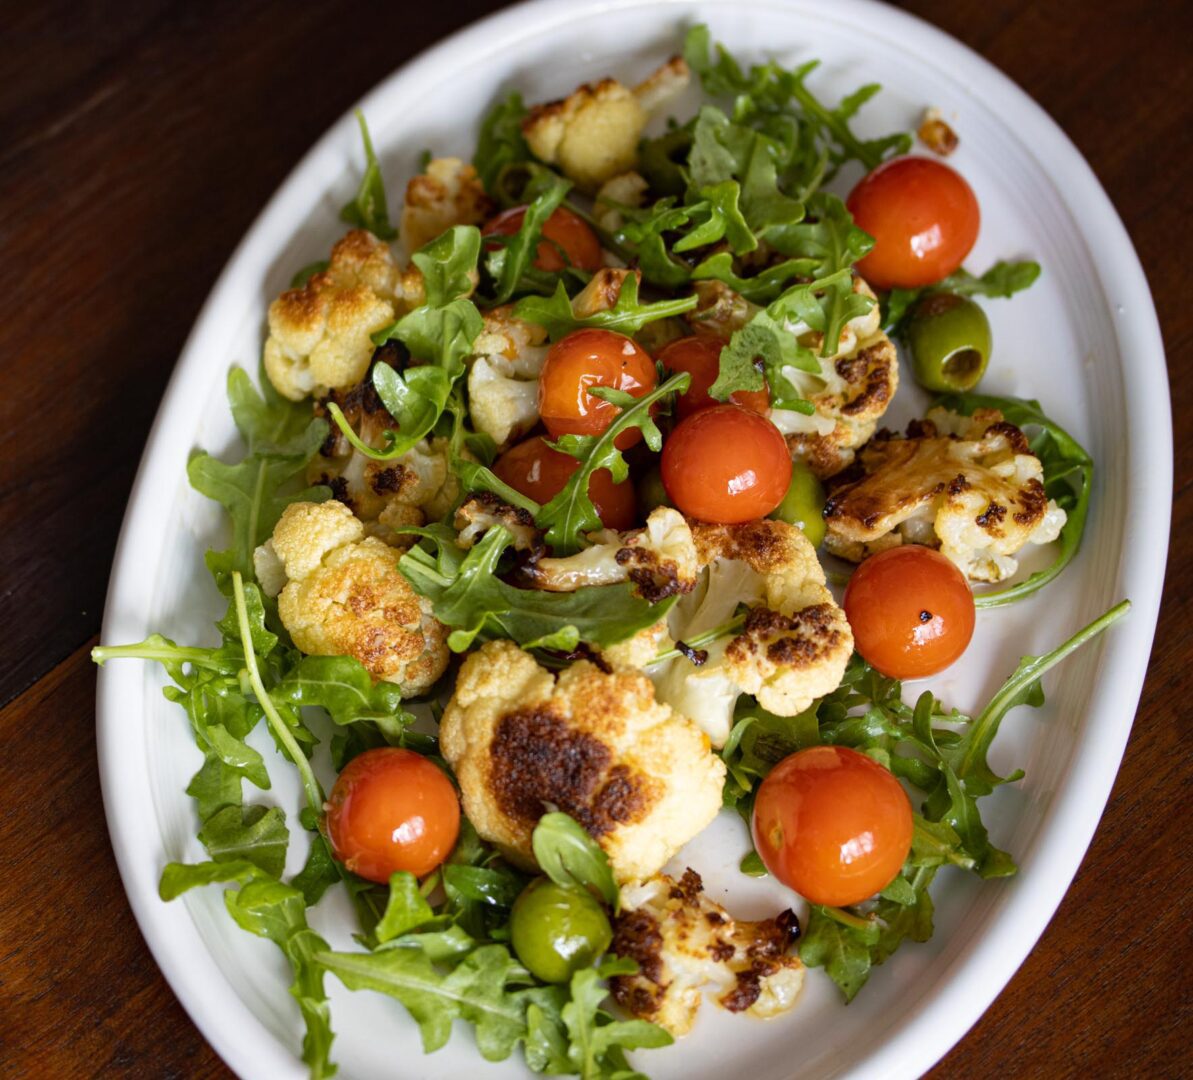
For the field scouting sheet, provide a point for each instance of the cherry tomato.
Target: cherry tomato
(911, 611)
(538, 472)
(566, 236)
(701, 358)
(725, 464)
(923, 216)
(587, 358)
(832, 824)
(391, 810)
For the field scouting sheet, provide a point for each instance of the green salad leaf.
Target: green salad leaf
(500, 143)
(627, 316)
(1003, 279)
(282, 438)
(1068, 478)
(571, 858)
(510, 261)
(367, 209)
(467, 594)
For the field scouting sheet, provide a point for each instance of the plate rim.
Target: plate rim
(983, 970)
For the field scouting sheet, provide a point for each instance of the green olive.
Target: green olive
(660, 160)
(949, 339)
(803, 505)
(651, 493)
(557, 931)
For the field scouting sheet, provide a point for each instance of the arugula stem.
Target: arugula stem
(992, 714)
(702, 639)
(162, 653)
(281, 729)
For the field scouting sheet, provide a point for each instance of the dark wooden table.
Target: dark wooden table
(135, 149)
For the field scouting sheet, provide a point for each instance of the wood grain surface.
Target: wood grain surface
(137, 143)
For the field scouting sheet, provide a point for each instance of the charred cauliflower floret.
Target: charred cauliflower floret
(968, 485)
(597, 746)
(593, 133)
(482, 510)
(683, 941)
(385, 495)
(852, 390)
(319, 335)
(792, 647)
(448, 193)
(340, 594)
(625, 189)
(508, 355)
(659, 559)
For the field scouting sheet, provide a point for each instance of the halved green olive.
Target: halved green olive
(803, 505)
(949, 339)
(557, 931)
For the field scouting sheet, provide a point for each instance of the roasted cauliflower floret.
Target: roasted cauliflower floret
(659, 559)
(482, 510)
(682, 941)
(508, 355)
(385, 495)
(625, 189)
(597, 746)
(448, 193)
(342, 595)
(852, 390)
(319, 335)
(794, 643)
(968, 485)
(593, 133)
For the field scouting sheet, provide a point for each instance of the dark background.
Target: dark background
(135, 150)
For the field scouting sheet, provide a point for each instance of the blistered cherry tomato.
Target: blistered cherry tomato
(391, 810)
(584, 359)
(832, 824)
(538, 472)
(923, 216)
(911, 611)
(725, 464)
(566, 238)
(701, 358)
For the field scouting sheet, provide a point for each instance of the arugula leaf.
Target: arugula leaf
(466, 594)
(319, 873)
(1068, 478)
(477, 990)
(500, 143)
(760, 288)
(407, 908)
(720, 216)
(570, 513)
(275, 911)
(510, 261)
(255, 834)
(177, 878)
(841, 950)
(448, 265)
(343, 687)
(627, 316)
(596, 1040)
(1003, 279)
(487, 885)
(571, 858)
(367, 209)
(256, 490)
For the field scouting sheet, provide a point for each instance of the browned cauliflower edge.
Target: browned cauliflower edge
(522, 741)
(683, 941)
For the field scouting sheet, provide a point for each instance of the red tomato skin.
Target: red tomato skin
(564, 228)
(924, 218)
(725, 464)
(700, 357)
(886, 601)
(832, 824)
(584, 359)
(389, 810)
(535, 470)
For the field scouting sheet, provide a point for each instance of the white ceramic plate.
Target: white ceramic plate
(1069, 341)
